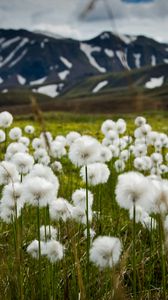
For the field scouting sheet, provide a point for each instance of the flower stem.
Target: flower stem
(39, 249)
(88, 231)
(134, 253)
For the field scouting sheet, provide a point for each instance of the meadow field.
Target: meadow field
(84, 206)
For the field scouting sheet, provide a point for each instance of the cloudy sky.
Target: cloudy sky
(72, 18)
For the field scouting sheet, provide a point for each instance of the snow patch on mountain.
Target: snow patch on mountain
(1, 80)
(109, 52)
(154, 82)
(88, 50)
(10, 42)
(153, 60)
(166, 60)
(66, 62)
(127, 39)
(123, 59)
(104, 36)
(14, 62)
(99, 86)
(63, 75)
(137, 57)
(49, 90)
(38, 81)
(12, 54)
(21, 79)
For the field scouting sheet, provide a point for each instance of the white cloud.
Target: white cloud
(61, 17)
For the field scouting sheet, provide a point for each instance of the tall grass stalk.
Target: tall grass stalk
(39, 250)
(134, 252)
(163, 257)
(88, 232)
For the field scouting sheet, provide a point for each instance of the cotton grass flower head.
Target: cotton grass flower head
(46, 139)
(45, 172)
(57, 149)
(107, 126)
(140, 213)
(71, 137)
(79, 214)
(140, 121)
(156, 158)
(29, 129)
(105, 154)
(79, 198)
(33, 249)
(124, 155)
(112, 136)
(23, 162)
(140, 150)
(119, 165)
(61, 139)
(15, 133)
(8, 173)
(84, 150)
(105, 251)
(114, 150)
(6, 119)
(24, 140)
(48, 233)
(38, 191)
(60, 209)
(14, 148)
(2, 136)
(97, 173)
(11, 204)
(37, 143)
(54, 251)
(134, 189)
(57, 166)
(120, 126)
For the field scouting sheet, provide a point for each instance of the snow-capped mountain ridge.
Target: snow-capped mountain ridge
(31, 60)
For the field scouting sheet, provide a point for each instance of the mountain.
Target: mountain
(53, 65)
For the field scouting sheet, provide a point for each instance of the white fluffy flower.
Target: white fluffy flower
(134, 188)
(84, 150)
(119, 165)
(37, 143)
(11, 204)
(156, 158)
(107, 125)
(105, 251)
(57, 149)
(33, 248)
(29, 129)
(2, 136)
(6, 119)
(97, 173)
(105, 154)
(120, 126)
(24, 140)
(8, 173)
(45, 172)
(124, 155)
(72, 137)
(139, 121)
(23, 162)
(79, 214)
(140, 150)
(61, 139)
(79, 198)
(56, 166)
(48, 232)
(38, 191)
(60, 209)
(54, 251)
(114, 150)
(15, 133)
(46, 138)
(14, 148)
